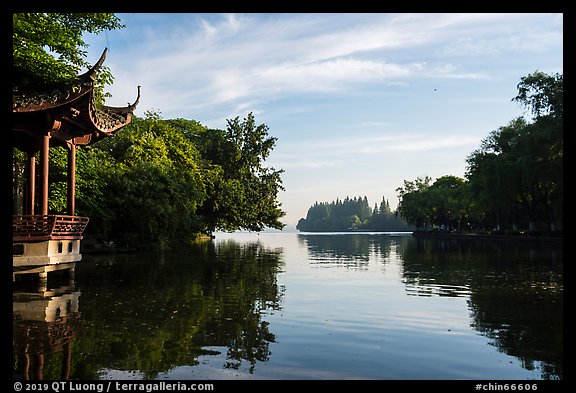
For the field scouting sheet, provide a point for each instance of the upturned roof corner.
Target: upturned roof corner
(81, 120)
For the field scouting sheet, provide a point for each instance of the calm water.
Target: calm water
(300, 306)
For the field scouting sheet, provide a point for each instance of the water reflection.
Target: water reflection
(359, 304)
(45, 321)
(351, 250)
(152, 313)
(514, 290)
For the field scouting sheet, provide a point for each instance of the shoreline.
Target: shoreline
(480, 236)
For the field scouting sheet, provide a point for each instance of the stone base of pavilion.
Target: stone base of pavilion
(41, 258)
(45, 322)
(46, 243)
(49, 252)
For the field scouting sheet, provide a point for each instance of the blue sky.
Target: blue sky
(359, 102)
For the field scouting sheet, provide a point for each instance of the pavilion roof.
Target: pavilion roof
(68, 113)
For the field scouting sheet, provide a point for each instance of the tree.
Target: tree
(449, 202)
(495, 172)
(413, 206)
(153, 183)
(516, 174)
(442, 204)
(244, 194)
(544, 95)
(541, 93)
(47, 48)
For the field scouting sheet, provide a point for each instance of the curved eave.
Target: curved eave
(68, 113)
(107, 122)
(46, 101)
(125, 109)
(39, 101)
(108, 119)
(89, 75)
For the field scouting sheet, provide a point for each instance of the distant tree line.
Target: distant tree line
(351, 214)
(514, 180)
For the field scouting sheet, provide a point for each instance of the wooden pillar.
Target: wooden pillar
(44, 158)
(26, 370)
(71, 179)
(30, 183)
(40, 366)
(66, 360)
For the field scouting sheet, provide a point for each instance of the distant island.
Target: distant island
(352, 215)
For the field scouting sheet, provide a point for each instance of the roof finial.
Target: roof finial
(92, 71)
(133, 106)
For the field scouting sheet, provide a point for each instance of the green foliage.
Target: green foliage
(163, 181)
(543, 94)
(514, 180)
(243, 194)
(443, 204)
(57, 198)
(47, 48)
(350, 214)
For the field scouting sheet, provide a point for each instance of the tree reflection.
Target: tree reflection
(152, 313)
(515, 293)
(349, 250)
(514, 290)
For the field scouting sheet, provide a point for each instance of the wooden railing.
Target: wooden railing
(47, 227)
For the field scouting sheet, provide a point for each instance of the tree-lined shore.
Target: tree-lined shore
(513, 183)
(514, 180)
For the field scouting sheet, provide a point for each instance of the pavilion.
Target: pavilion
(67, 116)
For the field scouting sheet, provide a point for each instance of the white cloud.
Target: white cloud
(256, 58)
(330, 74)
(419, 143)
(342, 151)
(351, 97)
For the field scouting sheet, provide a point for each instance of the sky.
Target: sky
(359, 103)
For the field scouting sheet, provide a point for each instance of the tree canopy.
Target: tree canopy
(48, 48)
(243, 194)
(159, 181)
(514, 180)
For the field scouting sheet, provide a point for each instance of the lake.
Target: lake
(384, 306)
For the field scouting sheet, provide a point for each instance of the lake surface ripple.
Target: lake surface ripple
(383, 306)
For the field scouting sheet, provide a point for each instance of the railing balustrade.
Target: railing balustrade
(27, 227)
